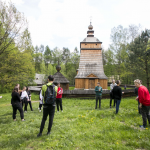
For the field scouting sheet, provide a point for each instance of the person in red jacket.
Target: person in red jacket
(59, 98)
(144, 99)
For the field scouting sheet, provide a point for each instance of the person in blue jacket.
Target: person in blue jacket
(98, 91)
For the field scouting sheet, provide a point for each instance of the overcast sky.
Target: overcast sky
(64, 23)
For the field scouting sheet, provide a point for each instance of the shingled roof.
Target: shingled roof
(59, 78)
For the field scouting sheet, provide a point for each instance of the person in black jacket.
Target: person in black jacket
(29, 95)
(16, 104)
(117, 93)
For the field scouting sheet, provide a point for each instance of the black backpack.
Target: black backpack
(50, 94)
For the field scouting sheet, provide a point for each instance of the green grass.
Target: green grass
(78, 127)
(121, 88)
(71, 88)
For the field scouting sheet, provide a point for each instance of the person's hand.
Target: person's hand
(140, 105)
(99, 89)
(122, 92)
(28, 99)
(137, 98)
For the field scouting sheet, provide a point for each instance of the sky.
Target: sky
(64, 23)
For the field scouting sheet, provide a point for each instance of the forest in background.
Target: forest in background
(127, 56)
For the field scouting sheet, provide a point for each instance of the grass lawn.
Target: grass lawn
(78, 127)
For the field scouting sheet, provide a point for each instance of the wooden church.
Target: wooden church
(91, 64)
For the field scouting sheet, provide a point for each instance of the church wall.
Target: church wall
(91, 45)
(79, 83)
(84, 83)
(103, 83)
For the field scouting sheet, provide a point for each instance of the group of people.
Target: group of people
(115, 93)
(142, 93)
(20, 99)
(51, 95)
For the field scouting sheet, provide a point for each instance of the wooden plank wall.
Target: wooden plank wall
(90, 46)
(84, 83)
(79, 83)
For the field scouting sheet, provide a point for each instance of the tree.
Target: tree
(139, 56)
(12, 27)
(16, 67)
(47, 56)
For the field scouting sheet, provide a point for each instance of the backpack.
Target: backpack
(50, 94)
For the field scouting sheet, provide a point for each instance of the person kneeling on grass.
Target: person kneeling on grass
(49, 92)
(16, 104)
(117, 94)
(24, 98)
(59, 97)
(98, 91)
(144, 99)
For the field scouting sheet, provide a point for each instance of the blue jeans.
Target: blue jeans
(117, 105)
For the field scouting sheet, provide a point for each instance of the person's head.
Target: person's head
(118, 82)
(50, 78)
(15, 89)
(137, 83)
(58, 84)
(17, 85)
(98, 84)
(113, 81)
(27, 89)
(24, 88)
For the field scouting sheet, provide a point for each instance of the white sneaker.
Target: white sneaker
(25, 111)
(39, 110)
(62, 111)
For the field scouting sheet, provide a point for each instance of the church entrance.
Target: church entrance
(91, 83)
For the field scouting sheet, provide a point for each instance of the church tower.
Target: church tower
(91, 63)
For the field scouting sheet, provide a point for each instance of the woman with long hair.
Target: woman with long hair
(29, 95)
(24, 98)
(16, 104)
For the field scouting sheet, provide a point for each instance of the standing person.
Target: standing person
(29, 95)
(41, 100)
(24, 98)
(59, 97)
(49, 103)
(144, 99)
(117, 94)
(125, 87)
(136, 93)
(111, 88)
(98, 91)
(16, 104)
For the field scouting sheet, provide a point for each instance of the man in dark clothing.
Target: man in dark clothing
(117, 93)
(111, 95)
(98, 91)
(48, 109)
(16, 104)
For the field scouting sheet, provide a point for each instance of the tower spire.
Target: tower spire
(90, 32)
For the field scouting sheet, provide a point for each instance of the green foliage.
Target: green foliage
(128, 55)
(46, 62)
(79, 126)
(16, 50)
(139, 56)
